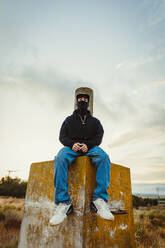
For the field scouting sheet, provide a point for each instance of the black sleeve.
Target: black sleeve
(96, 141)
(63, 137)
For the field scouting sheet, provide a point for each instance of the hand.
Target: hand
(84, 147)
(76, 147)
(79, 147)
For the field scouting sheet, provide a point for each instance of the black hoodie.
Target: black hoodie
(73, 131)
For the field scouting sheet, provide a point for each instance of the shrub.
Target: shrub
(2, 215)
(151, 216)
(8, 208)
(13, 244)
(12, 187)
(141, 216)
(139, 201)
(12, 220)
(162, 234)
(139, 232)
(157, 222)
(149, 228)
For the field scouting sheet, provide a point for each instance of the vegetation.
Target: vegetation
(12, 187)
(149, 224)
(139, 201)
(11, 210)
(150, 227)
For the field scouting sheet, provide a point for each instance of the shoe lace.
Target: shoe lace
(103, 205)
(60, 208)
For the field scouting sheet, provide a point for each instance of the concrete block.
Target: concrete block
(83, 228)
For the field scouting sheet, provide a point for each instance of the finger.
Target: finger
(75, 146)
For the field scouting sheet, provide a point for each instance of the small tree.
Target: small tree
(13, 187)
(139, 201)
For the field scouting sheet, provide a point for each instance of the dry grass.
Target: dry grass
(11, 210)
(150, 227)
(149, 224)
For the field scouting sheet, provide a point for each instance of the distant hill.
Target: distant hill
(148, 189)
(149, 195)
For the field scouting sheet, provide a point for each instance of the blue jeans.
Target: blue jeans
(63, 160)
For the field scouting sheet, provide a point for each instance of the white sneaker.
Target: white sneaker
(61, 212)
(102, 209)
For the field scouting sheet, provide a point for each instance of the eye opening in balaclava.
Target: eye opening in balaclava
(81, 95)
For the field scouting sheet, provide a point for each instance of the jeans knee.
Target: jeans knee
(63, 151)
(101, 153)
(104, 155)
(59, 161)
(103, 159)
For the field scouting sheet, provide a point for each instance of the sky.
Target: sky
(48, 49)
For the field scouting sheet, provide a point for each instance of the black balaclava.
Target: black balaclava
(82, 105)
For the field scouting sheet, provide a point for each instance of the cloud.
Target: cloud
(137, 135)
(132, 64)
(41, 85)
(103, 109)
(155, 116)
(149, 176)
(158, 13)
(155, 11)
(48, 84)
(146, 161)
(152, 87)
